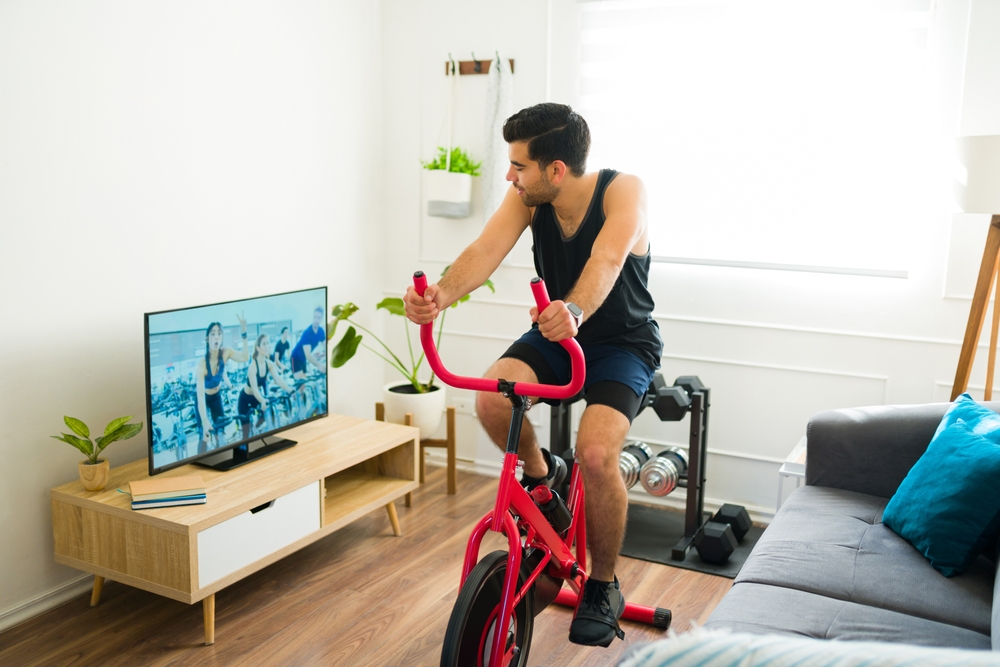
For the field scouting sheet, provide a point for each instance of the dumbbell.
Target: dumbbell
(715, 542)
(633, 456)
(718, 538)
(671, 403)
(737, 518)
(661, 474)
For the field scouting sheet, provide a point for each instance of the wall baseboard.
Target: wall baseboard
(48, 600)
(758, 513)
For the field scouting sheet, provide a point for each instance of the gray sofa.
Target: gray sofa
(827, 567)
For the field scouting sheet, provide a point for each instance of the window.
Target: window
(798, 132)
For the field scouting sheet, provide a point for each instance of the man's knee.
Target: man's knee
(599, 440)
(491, 406)
(596, 458)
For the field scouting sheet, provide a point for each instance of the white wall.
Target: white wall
(776, 347)
(160, 155)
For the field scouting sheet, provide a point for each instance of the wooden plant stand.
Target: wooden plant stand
(447, 443)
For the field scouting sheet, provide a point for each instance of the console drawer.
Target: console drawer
(246, 538)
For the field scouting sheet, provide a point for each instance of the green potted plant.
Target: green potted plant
(94, 471)
(424, 400)
(448, 183)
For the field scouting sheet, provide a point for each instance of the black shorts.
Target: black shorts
(615, 377)
(299, 364)
(246, 403)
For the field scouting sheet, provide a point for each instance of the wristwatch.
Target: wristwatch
(576, 312)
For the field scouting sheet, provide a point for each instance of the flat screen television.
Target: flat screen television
(223, 380)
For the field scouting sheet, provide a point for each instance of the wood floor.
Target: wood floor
(359, 597)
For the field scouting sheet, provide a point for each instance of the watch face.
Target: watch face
(575, 309)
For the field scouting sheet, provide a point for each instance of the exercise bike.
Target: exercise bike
(491, 623)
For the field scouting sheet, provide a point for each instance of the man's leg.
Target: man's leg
(598, 444)
(602, 432)
(494, 414)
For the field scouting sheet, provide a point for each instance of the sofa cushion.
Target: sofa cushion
(948, 506)
(764, 609)
(984, 421)
(995, 627)
(831, 543)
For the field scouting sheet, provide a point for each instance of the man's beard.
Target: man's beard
(545, 194)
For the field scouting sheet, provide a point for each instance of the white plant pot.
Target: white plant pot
(426, 408)
(448, 194)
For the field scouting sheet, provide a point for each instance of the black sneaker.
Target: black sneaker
(596, 620)
(555, 476)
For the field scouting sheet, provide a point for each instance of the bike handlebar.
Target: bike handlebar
(578, 372)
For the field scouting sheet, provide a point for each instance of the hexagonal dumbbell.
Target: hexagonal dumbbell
(690, 383)
(737, 518)
(715, 542)
(669, 403)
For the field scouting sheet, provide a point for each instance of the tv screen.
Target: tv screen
(232, 374)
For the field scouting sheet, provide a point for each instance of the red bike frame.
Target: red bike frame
(515, 512)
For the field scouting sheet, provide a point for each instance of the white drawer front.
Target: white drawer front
(246, 538)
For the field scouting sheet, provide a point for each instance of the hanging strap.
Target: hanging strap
(453, 99)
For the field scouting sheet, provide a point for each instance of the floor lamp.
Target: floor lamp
(980, 193)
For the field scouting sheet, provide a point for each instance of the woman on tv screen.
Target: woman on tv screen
(210, 373)
(253, 396)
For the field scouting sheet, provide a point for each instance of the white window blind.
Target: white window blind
(795, 132)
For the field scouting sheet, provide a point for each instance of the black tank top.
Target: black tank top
(625, 318)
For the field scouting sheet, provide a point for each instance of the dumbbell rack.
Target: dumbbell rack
(560, 432)
(694, 510)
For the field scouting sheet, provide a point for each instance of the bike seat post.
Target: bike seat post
(519, 405)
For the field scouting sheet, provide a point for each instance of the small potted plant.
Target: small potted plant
(448, 183)
(94, 472)
(424, 400)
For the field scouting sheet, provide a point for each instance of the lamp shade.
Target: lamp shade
(980, 159)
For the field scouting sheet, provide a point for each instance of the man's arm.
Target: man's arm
(624, 227)
(475, 264)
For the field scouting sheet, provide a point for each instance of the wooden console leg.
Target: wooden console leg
(393, 519)
(408, 500)
(95, 595)
(208, 610)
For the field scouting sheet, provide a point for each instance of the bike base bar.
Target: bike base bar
(655, 616)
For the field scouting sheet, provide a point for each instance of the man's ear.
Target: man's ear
(557, 171)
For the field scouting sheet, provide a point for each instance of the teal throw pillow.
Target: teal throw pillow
(948, 506)
(981, 420)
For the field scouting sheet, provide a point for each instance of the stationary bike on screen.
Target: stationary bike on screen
(500, 595)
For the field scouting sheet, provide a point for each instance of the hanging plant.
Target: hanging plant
(448, 183)
(461, 163)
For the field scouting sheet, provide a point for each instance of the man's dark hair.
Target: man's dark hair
(553, 132)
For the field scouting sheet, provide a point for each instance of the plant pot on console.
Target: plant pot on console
(94, 476)
(426, 408)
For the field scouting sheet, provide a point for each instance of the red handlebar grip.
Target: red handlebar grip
(541, 294)
(419, 282)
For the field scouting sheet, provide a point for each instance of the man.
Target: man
(310, 347)
(281, 349)
(591, 246)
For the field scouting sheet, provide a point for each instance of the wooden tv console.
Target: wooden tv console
(341, 469)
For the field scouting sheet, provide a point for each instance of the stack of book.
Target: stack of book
(167, 492)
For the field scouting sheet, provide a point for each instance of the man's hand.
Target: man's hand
(556, 323)
(423, 309)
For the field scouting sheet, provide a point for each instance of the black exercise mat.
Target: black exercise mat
(653, 531)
